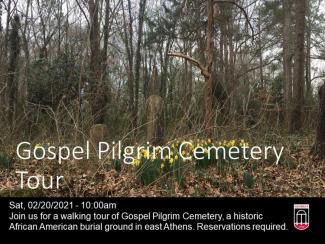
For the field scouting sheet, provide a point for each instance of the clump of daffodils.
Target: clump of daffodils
(152, 164)
(39, 147)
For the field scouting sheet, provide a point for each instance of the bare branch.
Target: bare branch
(317, 77)
(192, 60)
(83, 12)
(244, 12)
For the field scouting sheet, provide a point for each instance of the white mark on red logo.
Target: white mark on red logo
(301, 216)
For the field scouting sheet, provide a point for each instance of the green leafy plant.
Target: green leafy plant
(5, 160)
(149, 171)
(248, 180)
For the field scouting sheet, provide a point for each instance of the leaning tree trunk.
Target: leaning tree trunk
(319, 147)
(207, 66)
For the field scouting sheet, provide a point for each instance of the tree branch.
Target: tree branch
(256, 67)
(317, 77)
(192, 60)
(244, 12)
(83, 12)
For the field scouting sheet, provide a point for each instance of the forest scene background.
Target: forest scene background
(229, 72)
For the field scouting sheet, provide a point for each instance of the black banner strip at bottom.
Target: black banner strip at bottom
(296, 217)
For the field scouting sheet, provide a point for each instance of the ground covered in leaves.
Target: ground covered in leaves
(297, 175)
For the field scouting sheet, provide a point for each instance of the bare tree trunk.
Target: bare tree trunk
(209, 115)
(155, 120)
(24, 35)
(2, 61)
(97, 98)
(12, 82)
(7, 27)
(296, 119)
(128, 41)
(22, 88)
(231, 70)
(287, 59)
(43, 50)
(146, 74)
(106, 34)
(260, 51)
(221, 52)
(0, 18)
(190, 79)
(226, 61)
(185, 74)
(142, 8)
(308, 60)
(155, 111)
(319, 147)
(164, 72)
(94, 41)
(153, 86)
(59, 26)
(308, 67)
